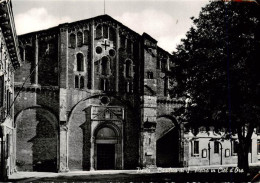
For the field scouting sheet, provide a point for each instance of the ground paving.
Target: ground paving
(217, 173)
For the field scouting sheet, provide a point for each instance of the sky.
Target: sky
(167, 21)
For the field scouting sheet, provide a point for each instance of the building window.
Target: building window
(204, 153)
(128, 68)
(122, 41)
(195, 148)
(81, 82)
(8, 101)
(105, 31)
(128, 87)
(129, 46)
(158, 63)
(72, 40)
(112, 34)
(1, 91)
(21, 53)
(166, 87)
(234, 147)
(98, 50)
(79, 39)
(98, 32)
(112, 52)
(29, 53)
(86, 37)
(80, 62)
(76, 82)
(163, 64)
(258, 146)
(216, 147)
(105, 66)
(104, 84)
(149, 75)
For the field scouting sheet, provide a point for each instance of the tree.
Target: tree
(218, 68)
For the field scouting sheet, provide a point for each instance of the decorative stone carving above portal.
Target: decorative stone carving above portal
(113, 113)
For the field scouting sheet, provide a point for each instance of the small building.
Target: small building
(9, 62)
(210, 148)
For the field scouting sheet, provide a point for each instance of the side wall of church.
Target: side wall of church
(37, 103)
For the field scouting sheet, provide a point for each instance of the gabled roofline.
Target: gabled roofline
(79, 22)
(162, 50)
(105, 16)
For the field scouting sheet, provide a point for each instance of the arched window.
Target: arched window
(81, 82)
(79, 39)
(105, 31)
(166, 86)
(106, 133)
(72, 40)
(98, 31)
(149, 75)
(112, 34)
(129, 87)
(21, 53)
(164, 64)
(122, 41)
(76, 82)
(158, 63)
(128, 68)
(129, 46)
(105, 66)
(80, 62)
(104, 85)
(86, 36)
(29, 56)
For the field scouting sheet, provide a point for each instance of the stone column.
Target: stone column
(36, 60)
(92, 154)
(148, 140)
(181, 144)
(63, 149)
(148, 147)
(186, 152)
(92, 33)
(3, 172)
(63, 56)
(117, 58)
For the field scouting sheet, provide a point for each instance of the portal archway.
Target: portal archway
(86, 117)
(36, 140)
(108, 147)
(167, 142)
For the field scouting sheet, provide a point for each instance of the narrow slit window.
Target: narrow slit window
(80, 62)
(128, 67)
(76, 82)
(105, 66)
(81, 82)
(86, 37)
(72, 40)
(79, 39)
(98, 32)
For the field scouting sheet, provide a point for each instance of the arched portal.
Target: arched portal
(89, 116)
(107, 148)
(167, 142)
(36, 140)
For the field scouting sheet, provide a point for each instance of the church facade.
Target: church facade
(94, 95)
(9, 62)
